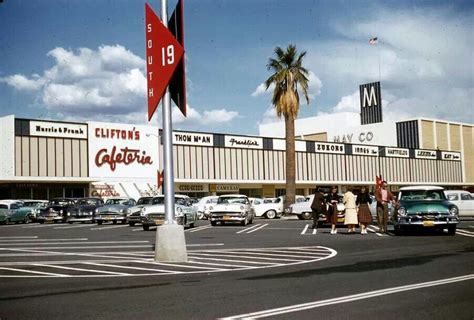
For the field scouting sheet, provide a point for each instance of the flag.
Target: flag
(374, 40)
(378, 182)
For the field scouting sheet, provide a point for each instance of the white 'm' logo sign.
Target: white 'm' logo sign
(368, 98)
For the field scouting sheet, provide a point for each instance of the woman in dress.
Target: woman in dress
(350, 217)
(331, 214)
(363, 214)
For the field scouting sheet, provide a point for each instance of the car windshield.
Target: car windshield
(35, 204)
(232, 200)
(59, 202)
(147, 200)
(117, 201)
(415, 195)
(85, 202)
(3, 206)
(177, 200)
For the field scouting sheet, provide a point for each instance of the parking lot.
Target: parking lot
(241, 267)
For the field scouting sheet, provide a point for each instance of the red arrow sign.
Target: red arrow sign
(163, 54)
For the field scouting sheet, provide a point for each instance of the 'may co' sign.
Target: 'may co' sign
(370, 103)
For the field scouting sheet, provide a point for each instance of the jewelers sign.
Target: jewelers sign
(122, 150)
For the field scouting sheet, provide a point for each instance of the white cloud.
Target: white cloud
(261, 90)
(195, 119)
(270, 116)
(21, 82)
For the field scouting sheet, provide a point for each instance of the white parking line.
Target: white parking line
(73, 227)
(241, 261)
(33, 237)
(248, 229)
(178, 265)
(82, 241)
(83, 247)
(110, 227)
(374, 229)
(260, 227)
(39, 226)
(218, 264)
(266, 253)
(137, 229)
(131, 268)
(237, 255)
(464, 233)
(81, 269)
(41, 240)
(35, 272)
(198, 229)
(344, 299)
(305, 228)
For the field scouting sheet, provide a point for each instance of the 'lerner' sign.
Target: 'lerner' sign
(397, 152)
(195, 139)
(425, 154)
(122, 150)
(243, 142)
(58, 129)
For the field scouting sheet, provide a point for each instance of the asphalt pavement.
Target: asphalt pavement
(274, 269)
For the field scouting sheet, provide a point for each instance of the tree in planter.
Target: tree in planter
(289, 76)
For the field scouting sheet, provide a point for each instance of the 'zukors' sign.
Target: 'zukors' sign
(370, 103)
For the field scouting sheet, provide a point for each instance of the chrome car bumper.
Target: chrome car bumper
(421, 222)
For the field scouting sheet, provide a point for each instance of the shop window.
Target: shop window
(55, 193)
(23, 193)
(40, 193)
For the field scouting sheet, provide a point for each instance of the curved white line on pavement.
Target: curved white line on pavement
(331, 253)
(344, 299)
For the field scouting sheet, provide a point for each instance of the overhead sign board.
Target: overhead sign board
(361, 150)
(195, 139)
(163, 54)
(321, 147)
(425, 154)
(243, 142)
(58, 129)
(397, 152)
(370, 103)
(456, 156)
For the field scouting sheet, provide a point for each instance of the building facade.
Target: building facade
(45, 159)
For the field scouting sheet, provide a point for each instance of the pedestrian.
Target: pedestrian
(383, 197)
(350, 216)
(318, 207)
(363, 213)
(332, 200)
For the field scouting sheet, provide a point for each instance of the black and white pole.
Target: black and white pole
(170, 241)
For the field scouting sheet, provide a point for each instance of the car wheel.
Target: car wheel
(191, 225)
(7, 221)
(398, 230)
(41, 221)
(114, 222)
(131, 224)
(244, 223)
(27, 219)
(306, 215)
(99, 222)
(271, 214)
(213, 223)
(124, 221)
(70, 222)
(146, 228)
(299, 217)
(452, 230)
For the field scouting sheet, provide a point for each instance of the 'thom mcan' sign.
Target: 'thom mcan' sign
(370, 103)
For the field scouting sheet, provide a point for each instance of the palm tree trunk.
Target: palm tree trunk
(290, 160)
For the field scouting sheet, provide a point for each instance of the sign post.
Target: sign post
(163, 56)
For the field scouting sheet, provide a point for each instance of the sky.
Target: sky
(84, 60)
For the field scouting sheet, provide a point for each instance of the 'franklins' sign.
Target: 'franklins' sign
(370, 103)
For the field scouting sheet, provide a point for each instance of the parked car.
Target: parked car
(10, 212)
(56, 211)
(232, 208)
(154, 215)
(463, 200)
(270, 208)
(133, 213)
(303, 210)
(84, 210)
(424, 207)
(114, 210)
(32, 208)
(203, 206)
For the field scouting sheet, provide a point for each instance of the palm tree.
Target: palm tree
(288, 76)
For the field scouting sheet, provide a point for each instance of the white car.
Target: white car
(203, 205)
(154, 215)
(463, 200)
(303, 209)
(232, 208)
(268, 208)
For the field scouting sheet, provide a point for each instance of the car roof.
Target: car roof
(422, 188)
(234, 195)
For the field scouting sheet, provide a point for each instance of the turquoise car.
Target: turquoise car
(10, 212)
(424, 207)
(30, 208)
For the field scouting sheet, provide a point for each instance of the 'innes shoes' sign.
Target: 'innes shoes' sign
(122, 150)
(58, 129)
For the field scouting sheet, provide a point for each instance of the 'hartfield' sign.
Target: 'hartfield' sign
(397, 152)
